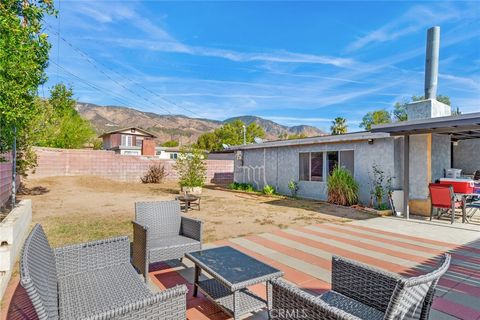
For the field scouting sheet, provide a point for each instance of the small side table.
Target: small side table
(189, 201)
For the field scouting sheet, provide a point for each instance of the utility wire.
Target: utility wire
(112, 79)
(121, 99)
(93, 62)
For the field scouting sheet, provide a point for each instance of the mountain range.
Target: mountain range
(177, 127)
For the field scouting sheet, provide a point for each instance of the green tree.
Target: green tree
(23, 59)
(375, 117)
(59, 125)
(191, 167)
(208, 141)
(400, 111)
(231, 134)
(170, 144)
(296, 136)
(339, 126)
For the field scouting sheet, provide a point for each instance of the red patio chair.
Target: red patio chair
(443, 200)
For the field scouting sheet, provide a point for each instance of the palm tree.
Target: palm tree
(339, 126)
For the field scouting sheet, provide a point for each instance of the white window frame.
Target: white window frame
(127, 140)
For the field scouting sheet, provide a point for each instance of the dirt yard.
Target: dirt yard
(76, 209)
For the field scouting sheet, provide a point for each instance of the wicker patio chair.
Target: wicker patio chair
(359, 292)
(161, 233)
(93, 280)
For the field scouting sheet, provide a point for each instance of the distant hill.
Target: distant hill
(273, 129)
(175, 127)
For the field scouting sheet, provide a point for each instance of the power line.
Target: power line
(93, 61)
(110, 78)
(124, 101)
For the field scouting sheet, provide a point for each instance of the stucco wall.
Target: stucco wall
(466, 155)
(441, 155)
(276, 166)
(419, 166)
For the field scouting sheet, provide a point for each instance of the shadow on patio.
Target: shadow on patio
(304, 255)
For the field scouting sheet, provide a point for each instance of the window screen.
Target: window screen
(332, 161)
(304, 168)
(347, 160)
(316, 166)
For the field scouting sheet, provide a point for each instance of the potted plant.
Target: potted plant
(191, 170)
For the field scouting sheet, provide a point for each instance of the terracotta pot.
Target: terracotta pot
(192, 190)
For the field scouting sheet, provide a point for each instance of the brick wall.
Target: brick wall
(107, 164)
(5, 179)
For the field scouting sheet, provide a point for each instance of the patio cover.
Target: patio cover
(465, 126)
(459, 127)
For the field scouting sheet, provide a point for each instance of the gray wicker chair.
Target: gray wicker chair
(359, 292)
(93, 281)
(161, 233)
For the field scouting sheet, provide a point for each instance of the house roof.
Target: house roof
(354, 136)
(129, 128)
(460, 127)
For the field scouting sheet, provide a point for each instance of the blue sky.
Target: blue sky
(291, 62)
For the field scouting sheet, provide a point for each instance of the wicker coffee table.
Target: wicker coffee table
(232, 272)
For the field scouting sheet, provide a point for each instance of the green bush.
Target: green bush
(241, 186)
(294, 187)
(268, 190)
(248, 187)
(342, 187)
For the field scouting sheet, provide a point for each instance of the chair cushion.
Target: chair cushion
(351, 306)
(162, 249)
(86, 294)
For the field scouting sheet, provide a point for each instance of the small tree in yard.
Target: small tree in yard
(381, 186)
(191, 168)
(155, 174)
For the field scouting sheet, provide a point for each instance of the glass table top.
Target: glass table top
(231, 264)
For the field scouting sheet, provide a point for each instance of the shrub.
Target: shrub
(241, 186)
(342, 187)
(191, 168)
(381, 187)
(294, 187)
(155, 174)
(268, 190)
(247, 187)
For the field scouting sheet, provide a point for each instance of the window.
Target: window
(126, 140)
(173, 156)
(347, 160)
(316, 166)
(304, 167)
(130, 152)
(310, 166)
(138, 141)
(332, 161)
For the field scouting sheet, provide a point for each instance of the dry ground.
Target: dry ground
(76, 209)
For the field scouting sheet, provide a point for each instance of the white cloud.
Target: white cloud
(417, 18)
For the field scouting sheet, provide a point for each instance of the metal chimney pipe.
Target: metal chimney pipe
(431, 62)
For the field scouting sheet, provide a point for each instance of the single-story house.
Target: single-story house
(309, 161)
(129, 141)
(167, 152)
(413, 153)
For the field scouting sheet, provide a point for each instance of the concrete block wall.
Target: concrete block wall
(5, 178)
(108, 164)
